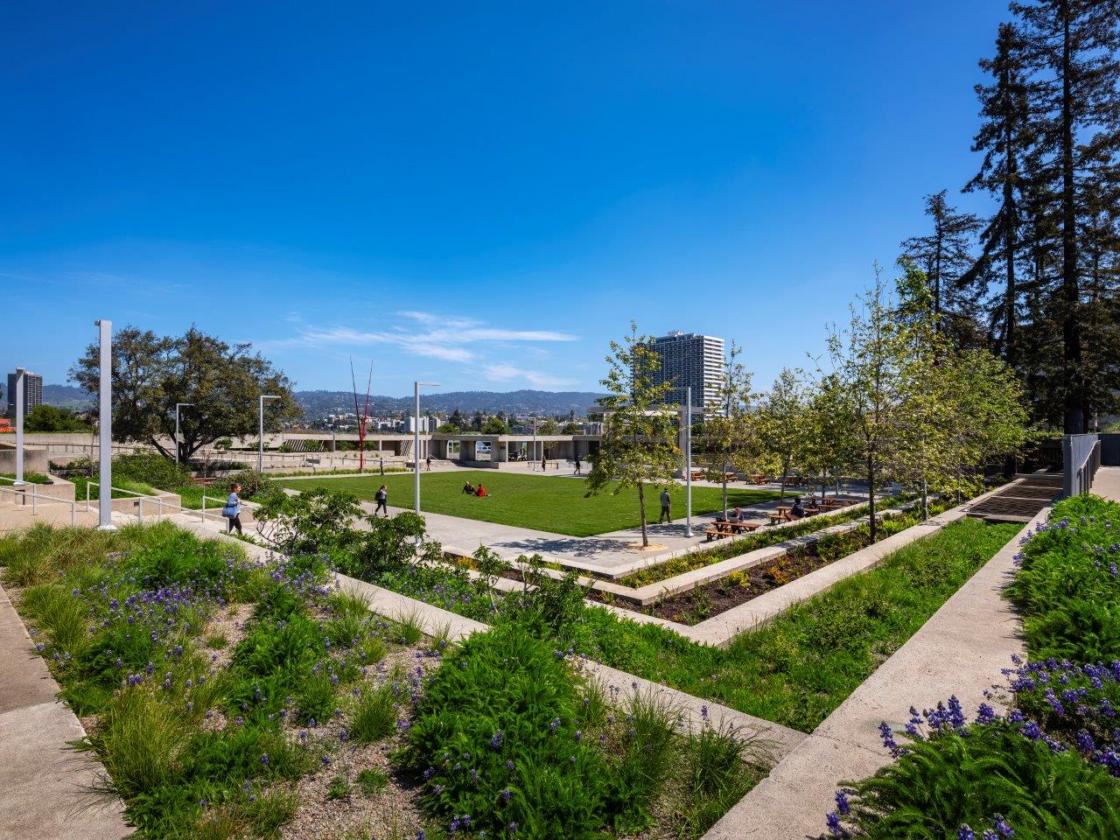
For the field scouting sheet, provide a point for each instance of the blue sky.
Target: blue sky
(479, 194)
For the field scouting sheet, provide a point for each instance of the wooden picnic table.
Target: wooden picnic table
(721, 528)
(781, 514)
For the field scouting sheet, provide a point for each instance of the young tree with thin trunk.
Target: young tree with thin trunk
(828, 452)
(865, 359)
(781, 418)
(639, 442)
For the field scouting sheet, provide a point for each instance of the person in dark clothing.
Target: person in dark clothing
(579, 467)
(798, 510)
(468, 488)
(666, 507)
(382, 499)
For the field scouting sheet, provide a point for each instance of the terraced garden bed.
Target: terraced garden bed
(230, 699)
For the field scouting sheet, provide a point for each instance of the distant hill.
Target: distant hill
(318, 404)
(67, 396)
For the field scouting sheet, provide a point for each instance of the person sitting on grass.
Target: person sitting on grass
(481, 491)
(469, 488)
(797, 511)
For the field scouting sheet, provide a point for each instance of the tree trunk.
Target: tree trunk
(871, 497)
(1010, 214)
(725, 490)
(1074, 421)
(642, 504)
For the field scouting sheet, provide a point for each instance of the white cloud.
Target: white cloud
(449, 338)
(509, 373)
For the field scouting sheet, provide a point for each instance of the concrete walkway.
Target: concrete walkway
(1107, 483)
(613, 554)
(960, 651)
(45, 787)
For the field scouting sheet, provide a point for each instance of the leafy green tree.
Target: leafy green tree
(448, 429)
(152, 373)
(49, 418)
(866, 361)
(828, 453)
(781, 418)
(571, 428)
(639, 443)
(548, 427)
(728, 437)
(457, 420)
(495, 426)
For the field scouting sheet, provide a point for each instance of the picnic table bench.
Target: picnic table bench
(721, 528)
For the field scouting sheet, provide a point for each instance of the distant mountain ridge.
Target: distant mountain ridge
(67, 396)
(318, 404)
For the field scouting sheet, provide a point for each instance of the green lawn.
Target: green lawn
(557, 505)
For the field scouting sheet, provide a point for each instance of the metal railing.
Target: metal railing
(28, 490)
(1081, 456)
(160, 502)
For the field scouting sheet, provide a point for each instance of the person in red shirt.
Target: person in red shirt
(481, 490)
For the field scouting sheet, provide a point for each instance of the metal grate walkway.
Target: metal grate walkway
(1022, 500)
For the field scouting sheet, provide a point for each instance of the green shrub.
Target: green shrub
(152, 469)
(374, 715)
(1068, 583)
(494, 736)
(978, 775)
(140, 741)
(371, 781)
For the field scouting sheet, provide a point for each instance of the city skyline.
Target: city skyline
(367, 182)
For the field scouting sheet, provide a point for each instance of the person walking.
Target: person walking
(232, 510)
(544, 464)
(579, 467)
(666, 505)
(382, 499)
(428, 461)
(383, 465)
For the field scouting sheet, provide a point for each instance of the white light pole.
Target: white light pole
(177, 407)
(688, 461)
(19, 426)
(105, 428)
(416, 442)
(260, 429)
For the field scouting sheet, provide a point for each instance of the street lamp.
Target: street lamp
(688, 461)
(416, 440)
(177, 407)
(260, 441)
(19, 425)
(105, 426)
